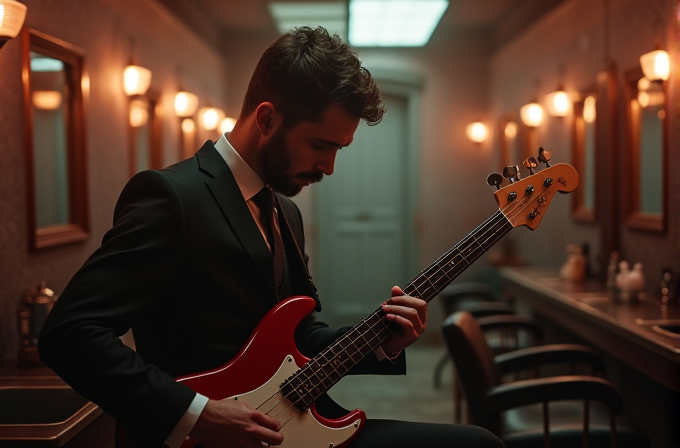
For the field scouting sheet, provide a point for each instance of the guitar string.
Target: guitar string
(498, 217)
(489, 226)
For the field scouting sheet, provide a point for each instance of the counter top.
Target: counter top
(52, 434)
(624, 329)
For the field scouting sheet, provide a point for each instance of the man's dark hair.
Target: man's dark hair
(306, 70)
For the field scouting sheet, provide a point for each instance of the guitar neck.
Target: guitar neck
(329, 366)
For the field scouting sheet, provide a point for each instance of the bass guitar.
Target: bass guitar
(271, 375)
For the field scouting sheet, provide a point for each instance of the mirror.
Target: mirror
(52, 73)
(583, 154)
(144, 133)
(647, 142)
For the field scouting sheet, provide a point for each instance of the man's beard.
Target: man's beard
(275, 160)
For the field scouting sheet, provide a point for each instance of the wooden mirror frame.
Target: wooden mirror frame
(633, 217)
(579, 210)
(77, 228)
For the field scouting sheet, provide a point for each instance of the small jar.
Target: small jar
(34, 307)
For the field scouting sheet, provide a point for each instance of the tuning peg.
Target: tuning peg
(544, 156)
(530, 164)
(511, 173)
(495, 180)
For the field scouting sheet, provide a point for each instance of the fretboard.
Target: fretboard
(329, 366)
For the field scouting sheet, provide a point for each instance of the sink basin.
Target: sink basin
(35, 405)
(672, 331)
(666, 327)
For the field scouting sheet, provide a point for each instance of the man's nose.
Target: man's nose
(327, 164)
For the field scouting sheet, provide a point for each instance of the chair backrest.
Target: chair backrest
(465, 291)
(473, 358)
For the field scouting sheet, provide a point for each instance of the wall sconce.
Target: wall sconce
(558, 103)
(12, 15)
(510, 130)
(532, 114)
(210, 117)
(227, 125)
(656, 65)
(188, 125)
(136, 80)
(185, 104)
(589, 109)
(476, 132)
(139, 113)
(46, 99)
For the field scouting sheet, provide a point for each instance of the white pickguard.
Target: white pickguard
(299, 429)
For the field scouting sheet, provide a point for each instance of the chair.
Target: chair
(479, 300)
(561, 411)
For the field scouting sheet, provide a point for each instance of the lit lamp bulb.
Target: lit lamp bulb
(185, 104)
(210, 117)
(476, 132)
(589, 109)
(532, 114)
(227, 125)
(46, 99)
(188, 126)
(510, 130)
(139, 113)
(136, 80)
(656, 65)
(12, 15)
(558, 103)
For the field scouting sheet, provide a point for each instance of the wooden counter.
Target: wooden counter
(643, 363)
(623, 330)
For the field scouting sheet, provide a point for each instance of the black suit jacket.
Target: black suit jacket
(185, 267)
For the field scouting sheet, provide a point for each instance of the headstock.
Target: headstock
(524, 201)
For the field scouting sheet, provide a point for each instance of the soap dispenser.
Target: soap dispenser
(34, 307)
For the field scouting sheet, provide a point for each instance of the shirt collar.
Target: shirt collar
(249, 182)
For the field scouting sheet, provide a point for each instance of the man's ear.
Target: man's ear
(267, 118)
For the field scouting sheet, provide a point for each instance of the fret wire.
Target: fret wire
(364, 337)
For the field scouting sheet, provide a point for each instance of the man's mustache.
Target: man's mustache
(311, 176)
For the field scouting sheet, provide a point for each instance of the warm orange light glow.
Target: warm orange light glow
(589, 109)
(476, 132)
(46, 99)
(12, 15)
(136, 80)
(210, 117)
(532, 114)
(188, 126)
(656, 65)
(558, 103)
(139, 113)
(185, 104)
(510, 130)
(227, 125)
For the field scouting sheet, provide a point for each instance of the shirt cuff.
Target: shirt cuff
(380, 354)
(187, 422)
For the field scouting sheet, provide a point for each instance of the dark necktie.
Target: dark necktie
(265, 202)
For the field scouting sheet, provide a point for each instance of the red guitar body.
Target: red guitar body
(255, 374)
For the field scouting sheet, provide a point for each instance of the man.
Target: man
(192, 264)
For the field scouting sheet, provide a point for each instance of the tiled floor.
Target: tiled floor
(404, 397)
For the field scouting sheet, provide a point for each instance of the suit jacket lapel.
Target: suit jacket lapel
(226, 192)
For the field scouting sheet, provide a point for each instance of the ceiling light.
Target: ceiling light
(330, 15)
(393, 23)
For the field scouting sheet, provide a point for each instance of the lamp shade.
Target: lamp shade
(476, 132)
(185, 104)
(558, 103)
(227, 125)
(589, 109)
(136, 80)
(46, 99)
(210, 117)
(12, 15)
(532, 114)
(656, 65)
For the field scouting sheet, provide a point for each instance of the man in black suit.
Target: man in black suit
(191, 266)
